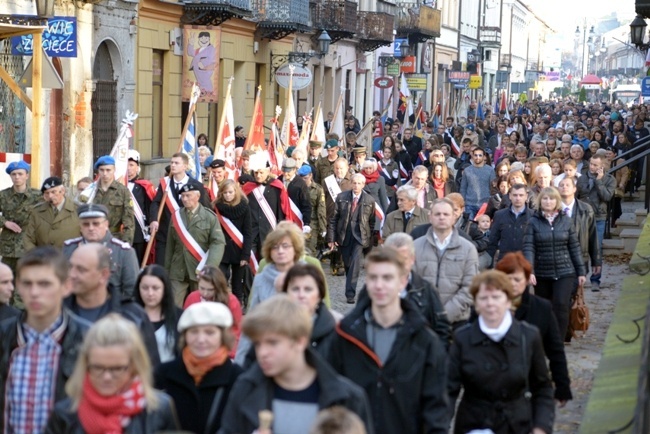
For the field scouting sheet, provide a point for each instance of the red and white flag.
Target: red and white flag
(224, 148)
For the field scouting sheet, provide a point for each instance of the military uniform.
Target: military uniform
(15, 207)
(318, 215)
(45, 228)
(179, 262)
(124, 264)
(324, 168)
(121, 220)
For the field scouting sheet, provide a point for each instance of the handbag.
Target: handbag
(579, 315)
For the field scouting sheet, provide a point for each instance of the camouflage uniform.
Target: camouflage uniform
(121, 220)
(15, 207)
(318, 220)
(324, 168)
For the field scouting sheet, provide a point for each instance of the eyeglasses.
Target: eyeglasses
(285, 246)
(114, 371)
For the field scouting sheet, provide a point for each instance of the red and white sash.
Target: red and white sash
(333, 187)
(296, 216)
(213, 189)
(258, 192)
(379, 213)
(237, 237)
(139, 215)
(403, 172)
(186, 238)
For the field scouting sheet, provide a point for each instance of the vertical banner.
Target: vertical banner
(201, 62)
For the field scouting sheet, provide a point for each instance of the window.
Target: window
(157, 73)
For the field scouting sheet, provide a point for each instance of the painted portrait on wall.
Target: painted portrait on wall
(201, 62)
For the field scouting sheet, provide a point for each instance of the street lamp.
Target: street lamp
(324, 42)
(44, 8)
(637, 33)
(405, 48)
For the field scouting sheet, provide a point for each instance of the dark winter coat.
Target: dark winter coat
(507, 232)
(553, 250)
(364, 217)
(240, 215)
(493, 375)
(260, 225)
(599, 195)
(407, 393)
(253, 392)
(584, 223)
(299, 194)
(194, 403)
(70, 344)
(64, 420)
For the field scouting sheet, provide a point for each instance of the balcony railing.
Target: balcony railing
(387, 6)
(506, 60)
(490, 37)
(417, 21)
(375, 29)
(214, 12)
(338, 17)
(279, 18)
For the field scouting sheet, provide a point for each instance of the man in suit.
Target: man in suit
(202, 225)
(298, 191)
(408, 215)
(176, 180)
(350, 229)
(328, 122)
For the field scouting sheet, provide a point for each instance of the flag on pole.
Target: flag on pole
(338, 125)
(255, 139)
(406, 103)
(290, 136)
(419, 124)
(122, 145)
(479, 112)
(385, 111)
(276, 152)
(190, 147)
(318, 129)
(364, 137)
(224, 148)
(303, 142)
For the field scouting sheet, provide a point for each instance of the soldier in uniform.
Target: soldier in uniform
(53, 221)
(94, 229)
(116, 197)
(16, 203)
(359, 154)
(325, 165)
(142, 192)
(314, 155)
(317, 198)
(202, 225)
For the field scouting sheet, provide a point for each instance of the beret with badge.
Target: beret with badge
(17, 165)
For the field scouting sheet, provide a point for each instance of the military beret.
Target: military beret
(215, 164)
(332, 143)
(92, 211)
(189, 187)
(16, 165)
(290, 150)
(51, 182)
(304, 170)
(470, 127)
(105, 160)
(208, 161)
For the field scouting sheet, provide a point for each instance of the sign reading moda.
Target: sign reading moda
(59, 40)
(301, 76)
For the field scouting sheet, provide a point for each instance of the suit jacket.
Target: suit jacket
(299, 194)
(206, 231)
(46, 229)
(357, 225)
(395, 221)
(165, 218)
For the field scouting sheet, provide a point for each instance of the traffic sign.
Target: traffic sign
(384, 82)
(645, 87)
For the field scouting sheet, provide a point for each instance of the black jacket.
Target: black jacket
(584, 223)
(194, 403)
(497, 202)
(599, 195)
(364, 217)
(260, 225)
(507, 232)
(70, 344)
(64, 420)
(493, 376)
(240, 215)
(553, 250)
(253, 392)
(413, 147)
(131, 311)
(165, 218)
(408, 393)
(8, 311)
(299, 194)
(403, 160)
(140, 195)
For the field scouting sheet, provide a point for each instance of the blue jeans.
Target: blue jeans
(600, 231)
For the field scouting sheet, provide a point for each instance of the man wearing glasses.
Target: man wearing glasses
(475, 183)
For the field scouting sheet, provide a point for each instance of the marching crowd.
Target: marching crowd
(474, 237)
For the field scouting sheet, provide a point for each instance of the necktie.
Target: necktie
(566, 210)
(55, 210)
(178, 186)
(355, 201)
(408, 216)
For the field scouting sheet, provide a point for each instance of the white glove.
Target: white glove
(306, 229)
(323, 234)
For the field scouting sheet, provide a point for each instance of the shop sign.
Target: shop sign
(393, 69)
(301, 76)
(416, 81)
(59, 39)
(384, 82)
(407, 65)
(475, 81)
(460, 77)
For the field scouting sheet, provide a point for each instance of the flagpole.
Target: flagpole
(193, 98)
(222, 121)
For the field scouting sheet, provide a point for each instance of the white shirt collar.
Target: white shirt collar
(498, 333)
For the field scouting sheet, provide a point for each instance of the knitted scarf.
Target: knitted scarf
(373, 177)
(109, 414)
(198, 367)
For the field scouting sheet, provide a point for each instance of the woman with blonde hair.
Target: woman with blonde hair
(439, 179)
(232, 205)
(111, 390)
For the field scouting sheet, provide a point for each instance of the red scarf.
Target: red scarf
(109, 414)
(284, 196)
(439, 186)
(373, 177)
(198, 367)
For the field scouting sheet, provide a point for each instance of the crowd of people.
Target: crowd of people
(472, 238)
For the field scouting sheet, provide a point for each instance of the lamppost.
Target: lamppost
(637, 33)
(386, 61)
(324, 40)
(585, 42)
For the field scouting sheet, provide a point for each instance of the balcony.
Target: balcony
(417, 22)
(375, 29)
(214, 12)
(642, 7)
(490, 37)
(279, 18)
(506, 60)
(338, 17)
